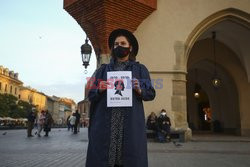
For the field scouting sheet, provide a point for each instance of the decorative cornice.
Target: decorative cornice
(11, 79)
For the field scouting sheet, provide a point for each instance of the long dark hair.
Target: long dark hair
(131, 57)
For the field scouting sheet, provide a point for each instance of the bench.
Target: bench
(151, 134)
(178, 134)
(174, 134)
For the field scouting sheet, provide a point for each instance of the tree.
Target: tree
(24, 108)
(7, 103)
(11, 107)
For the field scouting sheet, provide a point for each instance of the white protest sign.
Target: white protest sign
(119, 91)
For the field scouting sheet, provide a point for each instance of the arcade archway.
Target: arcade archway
(224, 105)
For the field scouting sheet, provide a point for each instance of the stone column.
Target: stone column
(179, 99)
(103, 59)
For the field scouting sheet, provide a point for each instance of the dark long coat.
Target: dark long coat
(48, 122)
(135, 141)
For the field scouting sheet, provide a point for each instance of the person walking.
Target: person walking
(68, 123)
(77, 121)
(40, 123)
(31, 120)
(117, 135)
(72, 121)
(47, 123)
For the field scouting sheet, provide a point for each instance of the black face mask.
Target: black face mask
(121, 52)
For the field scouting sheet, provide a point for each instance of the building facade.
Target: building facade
(52, 105)
(177, 46)
(9, 82)
(83, 108)
(60, 108)
(66, 108)
(34, 97)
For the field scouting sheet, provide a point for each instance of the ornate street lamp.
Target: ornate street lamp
(86, 51)
(215, 80)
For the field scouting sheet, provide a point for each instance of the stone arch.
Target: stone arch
(232, 14)
(235, 17)
(224, 102)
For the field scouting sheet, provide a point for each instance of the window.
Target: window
(5, 88)
(15, 90)
(0, 85)
(11, 89)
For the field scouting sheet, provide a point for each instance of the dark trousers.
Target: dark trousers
(29, 128)
(163, 135)
(47, 129)
(69, 126)
(75, 128)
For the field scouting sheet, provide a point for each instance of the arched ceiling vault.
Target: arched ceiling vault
(236, 37)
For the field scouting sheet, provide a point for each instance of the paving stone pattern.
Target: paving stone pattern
(64, 149)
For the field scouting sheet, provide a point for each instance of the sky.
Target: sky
(41, 41)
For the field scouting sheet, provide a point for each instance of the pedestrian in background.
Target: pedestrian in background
(77, 123)
(47, 123)
(152, 122)
(68, 123)
(40, 123)
(31, 120)
(164, 125)
(72, 121)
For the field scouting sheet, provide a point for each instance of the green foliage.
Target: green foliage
(6, 103)
(24, 108)
(11, 107)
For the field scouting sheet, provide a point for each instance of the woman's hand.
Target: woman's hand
(136, 86)
(103, 86)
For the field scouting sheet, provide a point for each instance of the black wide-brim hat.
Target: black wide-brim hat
(132, 40)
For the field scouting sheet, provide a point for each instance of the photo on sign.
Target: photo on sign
(119, 94)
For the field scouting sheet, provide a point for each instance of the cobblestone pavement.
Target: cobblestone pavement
(63, 149)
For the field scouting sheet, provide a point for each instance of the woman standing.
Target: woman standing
(117, 134)
(47, 123)
(40, 123)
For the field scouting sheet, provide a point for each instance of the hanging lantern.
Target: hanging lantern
(86, 51)
(215, 80)
(197, 90)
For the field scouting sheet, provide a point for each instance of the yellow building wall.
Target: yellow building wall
(159, 37)
(33, 97)
(174, 21)
(8, 84)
